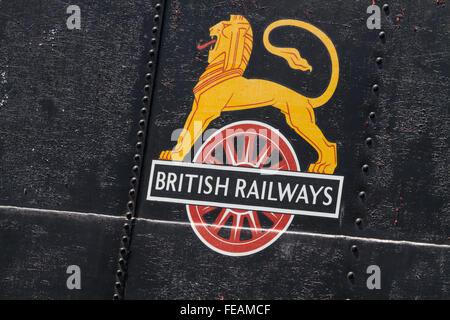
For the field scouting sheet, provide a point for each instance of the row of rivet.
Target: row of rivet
(130, 215)
(369, 141)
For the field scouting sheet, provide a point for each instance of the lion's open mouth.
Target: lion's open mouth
(205, 45)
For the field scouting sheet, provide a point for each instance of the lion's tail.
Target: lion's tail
(295, 61)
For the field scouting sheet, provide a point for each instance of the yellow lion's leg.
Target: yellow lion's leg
(302, 120)
(299, 115)
(196, 123)
(234, 94)
(205, 110)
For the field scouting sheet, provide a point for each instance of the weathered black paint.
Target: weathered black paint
(69, 115)
(38, 246)
(168, 262)
(70, 102)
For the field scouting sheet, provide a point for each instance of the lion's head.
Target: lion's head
(234, 42)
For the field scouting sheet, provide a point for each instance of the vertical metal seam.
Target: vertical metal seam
(368, 141)
(130, 215)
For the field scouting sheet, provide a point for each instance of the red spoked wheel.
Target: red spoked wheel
(242, 232)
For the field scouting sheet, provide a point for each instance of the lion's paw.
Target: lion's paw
(166, 155)
(322, 167)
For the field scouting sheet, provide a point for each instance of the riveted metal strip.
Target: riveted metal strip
(124, 252)
(369, 142)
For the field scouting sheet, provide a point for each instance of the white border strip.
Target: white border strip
(246, 207)
(325, 236)
(188, 224)
(66, 213)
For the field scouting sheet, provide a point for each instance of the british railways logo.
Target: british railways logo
(244, 185)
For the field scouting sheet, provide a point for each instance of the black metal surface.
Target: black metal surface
(70, 101)
(168, 263)
(387, 194)
(39, 246)
(401, 202)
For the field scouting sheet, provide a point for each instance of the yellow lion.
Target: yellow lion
(223, 88)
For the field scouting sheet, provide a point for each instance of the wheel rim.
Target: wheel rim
(242, 232)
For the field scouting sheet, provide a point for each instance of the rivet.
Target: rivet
(135, 169)
(123, 251)
(150, 65)
(382, 34)
(130, 205)
(158, 6)
(119, 273)
(124, 239)
(129, 215)
(379, 60)
(132, 192)
(156, 17)
(375, 87)
(133, 181)
(143, 111)
(122, 261)
(151, 52)
(386, 7)
(369, 141)
(155, 29)
(140, 133)
(147, 87)
(145, 99)
(137, 157)
(153, 40)
(362, 194)
(148, 76)
(365, 168)
(116, 296)
(142, 123)
(358, 221)
(118, 285)
(354, 248)
(139, 145)
(372, 115)
(350, 275)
